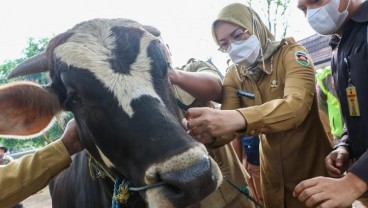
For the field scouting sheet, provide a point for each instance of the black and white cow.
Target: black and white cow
(112, 75)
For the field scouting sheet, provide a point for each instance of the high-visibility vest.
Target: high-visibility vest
(333, 104)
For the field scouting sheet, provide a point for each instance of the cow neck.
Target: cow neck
(122, 187)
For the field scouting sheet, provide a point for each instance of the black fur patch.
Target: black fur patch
(127, 48)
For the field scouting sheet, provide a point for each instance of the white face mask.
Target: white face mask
(327, 19)
(245, 52)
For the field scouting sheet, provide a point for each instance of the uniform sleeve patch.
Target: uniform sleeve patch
(302, 58)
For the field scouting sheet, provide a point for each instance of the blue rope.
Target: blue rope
(146, 187)
(245, 192)
(115, 204)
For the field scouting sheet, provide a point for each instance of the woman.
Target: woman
(269, 91)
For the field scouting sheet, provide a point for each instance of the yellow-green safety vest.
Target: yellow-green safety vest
(333, 104)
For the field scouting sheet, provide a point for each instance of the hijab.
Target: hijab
(247, 18)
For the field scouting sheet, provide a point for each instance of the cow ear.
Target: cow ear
(26, 109)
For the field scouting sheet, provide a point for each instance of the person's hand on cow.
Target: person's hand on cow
(337, 162)
(173, 74)
(205, 123)
(70, 138)
(330, 192)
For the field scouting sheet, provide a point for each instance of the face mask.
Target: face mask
(327, 19)
(245, 52)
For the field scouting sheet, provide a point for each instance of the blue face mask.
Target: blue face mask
(245, 52)
(327, 19)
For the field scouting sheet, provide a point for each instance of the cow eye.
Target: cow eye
(73, 101)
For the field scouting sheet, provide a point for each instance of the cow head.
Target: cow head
(111, 74)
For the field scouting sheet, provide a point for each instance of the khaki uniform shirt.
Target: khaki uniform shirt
(284, 112)
(30, 173)
(231, 167)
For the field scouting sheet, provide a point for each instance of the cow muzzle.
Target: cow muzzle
(188, 177)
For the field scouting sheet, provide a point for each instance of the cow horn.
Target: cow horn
(35, 64)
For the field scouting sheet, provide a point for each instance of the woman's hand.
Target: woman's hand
(208, 122)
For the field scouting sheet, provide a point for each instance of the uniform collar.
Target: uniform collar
(361, 15)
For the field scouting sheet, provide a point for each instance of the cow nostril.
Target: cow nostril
(174, 189)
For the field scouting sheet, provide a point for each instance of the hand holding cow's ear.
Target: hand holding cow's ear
(70, 138)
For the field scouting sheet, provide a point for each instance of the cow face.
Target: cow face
(111, 74)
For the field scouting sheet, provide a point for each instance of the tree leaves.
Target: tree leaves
(274, 13)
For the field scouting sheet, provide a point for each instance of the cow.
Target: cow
(111, 74)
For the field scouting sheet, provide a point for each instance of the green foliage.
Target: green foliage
(5, 68)
(15, 145)
(34, 47)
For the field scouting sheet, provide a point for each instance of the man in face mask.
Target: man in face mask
(269, 91)
(348, 20)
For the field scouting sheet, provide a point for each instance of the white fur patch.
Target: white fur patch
(105, 159)
(157, 199)
(91, 52)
